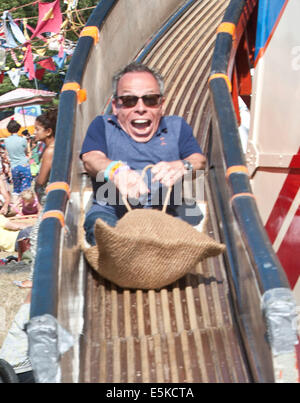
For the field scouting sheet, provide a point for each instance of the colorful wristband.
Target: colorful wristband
(119, 169)
(113, 169)
(108, 169)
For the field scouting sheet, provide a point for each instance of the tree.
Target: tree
(74, 21)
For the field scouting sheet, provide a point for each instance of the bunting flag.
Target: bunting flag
(19, 40)
(47, 64)
(28, 63)
(40, 52)
(39, 73)
(29, 28)
(61, 52)
(2, 58)
(50, 18)
(15, 75)
(25, 26)
(14, 57)
(60, 61)
(14, 35)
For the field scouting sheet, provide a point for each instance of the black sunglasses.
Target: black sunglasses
(129, 101)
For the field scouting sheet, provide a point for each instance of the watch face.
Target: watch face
(187, 165)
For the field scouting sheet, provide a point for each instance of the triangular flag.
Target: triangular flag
(38, 35)
(15, 75)
(60, 61)
(14, 36)
(50, 18)
(39, 74)
(61, 51)
(25, 29)
(28, 63)
(47, 64)
(41, 52)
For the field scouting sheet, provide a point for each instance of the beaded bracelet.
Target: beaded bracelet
(114, 168)
(108, 169)
(119, 169)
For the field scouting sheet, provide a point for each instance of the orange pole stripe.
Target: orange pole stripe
(224, 76)
(91, 31)
(58, 186)
(228, 28)
(241, 195)
(70, 87)
(55, 214)
(73, 86)
(237, 169)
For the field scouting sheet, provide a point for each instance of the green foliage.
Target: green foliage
(28, 11)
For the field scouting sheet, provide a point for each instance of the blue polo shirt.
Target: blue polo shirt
(173, 140)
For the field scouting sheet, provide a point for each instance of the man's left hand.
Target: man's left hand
(168, 173)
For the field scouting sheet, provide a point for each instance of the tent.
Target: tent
(26, 121)
(25, 96)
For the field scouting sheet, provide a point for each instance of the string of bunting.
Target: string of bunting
(28, 46)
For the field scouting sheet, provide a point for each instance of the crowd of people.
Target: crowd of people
(25, 170)
(25, 164)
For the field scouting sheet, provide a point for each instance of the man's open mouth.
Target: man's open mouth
(141, 124)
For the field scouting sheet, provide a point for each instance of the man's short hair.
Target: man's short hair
(133, 68)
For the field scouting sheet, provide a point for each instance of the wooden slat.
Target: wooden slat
(158, 355)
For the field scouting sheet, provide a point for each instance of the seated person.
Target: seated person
(27, 203)
(117, 147)
(11, 233)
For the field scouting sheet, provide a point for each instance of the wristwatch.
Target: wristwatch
(187, 165)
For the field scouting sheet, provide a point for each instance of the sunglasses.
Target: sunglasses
(129, 101)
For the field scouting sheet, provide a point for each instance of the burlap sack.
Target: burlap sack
(148, 249)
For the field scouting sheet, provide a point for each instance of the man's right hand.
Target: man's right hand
(130, 184)
(128, 181)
